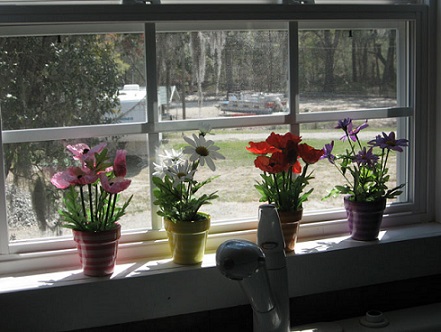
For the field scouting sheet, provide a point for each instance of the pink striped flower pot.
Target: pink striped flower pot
(98, 251)
(365, 218)
(290, 222)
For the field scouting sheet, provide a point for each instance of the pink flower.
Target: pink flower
(60, 180)
(83, 153)
(114, 185)
(73, 176)
(119, 164)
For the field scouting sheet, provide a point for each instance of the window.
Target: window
(140, 86)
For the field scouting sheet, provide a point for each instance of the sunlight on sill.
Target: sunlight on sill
(22, 282)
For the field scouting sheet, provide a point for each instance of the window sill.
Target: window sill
(151, 289)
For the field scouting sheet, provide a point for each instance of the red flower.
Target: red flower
(261, 148)
(279, 157)
(296, 167)
(283, 141)
(274, 164)
(309, 154)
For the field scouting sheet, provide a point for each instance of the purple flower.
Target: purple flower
(343, 124)
(366, 158)
(352, 133)
(328, 152)
(389, 142)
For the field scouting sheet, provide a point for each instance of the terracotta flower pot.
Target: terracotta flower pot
(365, 218)
(187, 240)
(290, 222)
(98, 251)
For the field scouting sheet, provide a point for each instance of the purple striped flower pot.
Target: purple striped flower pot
(187, 240)
(365, 218)
(98, 251)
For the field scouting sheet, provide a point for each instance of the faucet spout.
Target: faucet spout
(244, 261)
(261, 272)
(270, 239)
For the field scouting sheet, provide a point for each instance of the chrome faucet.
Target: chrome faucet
(261, 272)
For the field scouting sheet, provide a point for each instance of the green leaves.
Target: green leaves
(284, 190)
(103, 216)
(178, 202)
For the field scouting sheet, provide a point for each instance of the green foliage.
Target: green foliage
(179, 202)
(285, 191)
(93, 210)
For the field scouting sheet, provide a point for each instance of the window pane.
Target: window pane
(207, 74)
(33, 202)
(65, 80)
(347, 69)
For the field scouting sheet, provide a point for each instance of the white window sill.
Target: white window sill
(158, 288)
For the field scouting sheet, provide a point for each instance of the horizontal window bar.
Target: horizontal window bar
(27, 15)
(57, 29)
(49, 134)
(355, 114)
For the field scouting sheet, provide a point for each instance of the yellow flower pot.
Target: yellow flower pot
(187, 240)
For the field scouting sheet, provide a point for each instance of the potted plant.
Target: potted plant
(90, 204)
(364, 169)
(179, 199)
(284, 180)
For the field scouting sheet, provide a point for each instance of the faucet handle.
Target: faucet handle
(239, 259)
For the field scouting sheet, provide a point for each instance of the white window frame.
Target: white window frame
(61, 252)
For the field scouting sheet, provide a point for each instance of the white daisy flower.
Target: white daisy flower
(180, 173)
(204, 129)
(172, 157)
(203, 150)
(160, 170)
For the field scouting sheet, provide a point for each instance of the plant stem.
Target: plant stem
(115, 196)
(277, 187)
(383, 165)
(96, 201)
(82, 202)
(107, 212)
(89, 187)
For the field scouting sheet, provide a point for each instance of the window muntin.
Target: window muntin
(242, 122)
